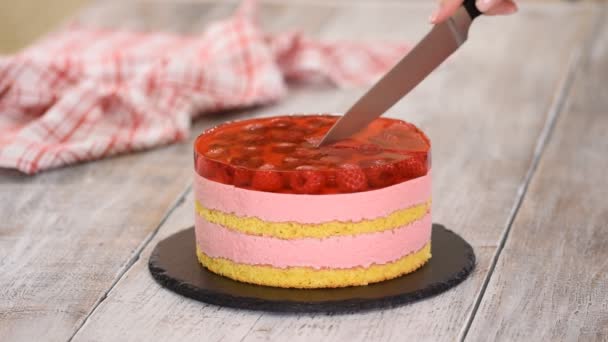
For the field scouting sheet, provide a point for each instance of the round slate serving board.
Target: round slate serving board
(174, 265)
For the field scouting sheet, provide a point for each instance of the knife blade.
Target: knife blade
(443, 40)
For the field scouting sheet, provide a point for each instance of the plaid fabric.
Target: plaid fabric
(80, 94)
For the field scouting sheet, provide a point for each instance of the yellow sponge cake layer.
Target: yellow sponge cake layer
(294, 230)
(305, 277)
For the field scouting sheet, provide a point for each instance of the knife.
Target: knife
(431, 51)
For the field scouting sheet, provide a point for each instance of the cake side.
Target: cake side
(277, 207)
(316, 257)
(297, 216)
(334, 252)
(305, 277)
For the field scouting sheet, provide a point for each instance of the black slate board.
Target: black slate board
(174, 265)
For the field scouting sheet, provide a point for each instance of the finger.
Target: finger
(503, 8)
(485, 5)
(445, 10)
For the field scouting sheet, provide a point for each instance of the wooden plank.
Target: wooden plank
(140, 310)
(484, 110)
(551, 281)
(67, 235)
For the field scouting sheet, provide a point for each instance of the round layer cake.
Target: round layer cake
(274, 209)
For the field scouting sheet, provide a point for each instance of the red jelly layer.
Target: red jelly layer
(279, 154)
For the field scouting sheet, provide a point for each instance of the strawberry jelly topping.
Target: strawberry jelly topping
(278, 154)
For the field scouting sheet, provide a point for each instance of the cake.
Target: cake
(274, 209)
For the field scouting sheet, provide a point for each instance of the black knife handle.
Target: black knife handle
(469, 5)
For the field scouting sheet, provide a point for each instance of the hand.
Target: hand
(489, 7)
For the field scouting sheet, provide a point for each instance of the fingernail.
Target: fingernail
(484, 5)
(433, 17)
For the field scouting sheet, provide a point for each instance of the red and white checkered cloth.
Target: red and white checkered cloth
(86, 94)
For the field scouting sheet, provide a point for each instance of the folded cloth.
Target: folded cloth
(82, 94)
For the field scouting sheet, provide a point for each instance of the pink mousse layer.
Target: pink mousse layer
(335, 252)
(275, 207)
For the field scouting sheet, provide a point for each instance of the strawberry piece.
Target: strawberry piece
(381, 173)
(330, 161)
(223, 173)
(255, 128)
(216, 152)
(307, 153)
(346, 144)
(218, 144)
(281, 122)
(242, 177)
(287, 135)
(350, 178)
(239, 161)
(312, 140)
(252, 139)
(291, 162)
(412, 167)
(390, 137)
(252, 150)
(250, 162)
(254, 162)
(318, 122)
(307, 180)
(369, 149)
(330, 178)
(267, 180)
(203, 168)
(284, 147)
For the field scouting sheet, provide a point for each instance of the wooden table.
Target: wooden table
(519, 125)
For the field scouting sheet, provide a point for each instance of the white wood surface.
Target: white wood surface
(551, 282)
(70, 242)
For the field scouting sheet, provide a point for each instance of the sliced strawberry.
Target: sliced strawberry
(318, 122)
(223, 173)
(345, 154)
(216, 152)
(412, 167)
(242, 177)
(250, 162)
(291, 162)
(287, 135)
(218, 144)
(312, 140)
(284, 147)
(307, 154)
(380, 173)
(254, 162)
(255, 128)
(204, 167)
(252, 150)
(223, 135)
(386, 139)
(346, 143)
(369, 149)
(307, 180)
(330, 178)
(281, 122)
(350, 178)
(239, 161)
(252, 139)
(265, 179)
(330, 161)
